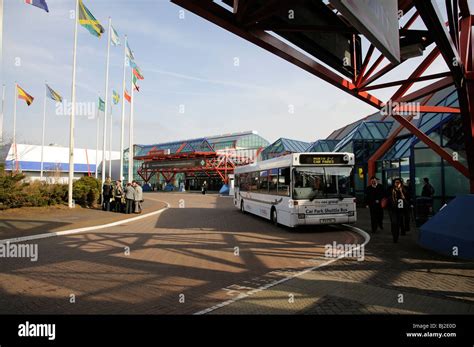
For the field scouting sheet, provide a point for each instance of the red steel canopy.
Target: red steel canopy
(315, 36)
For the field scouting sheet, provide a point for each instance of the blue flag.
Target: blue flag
(38, 3)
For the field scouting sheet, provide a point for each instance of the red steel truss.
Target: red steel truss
(220, 164)
(455, 45)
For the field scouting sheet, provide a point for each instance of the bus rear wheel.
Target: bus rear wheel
(274, 217)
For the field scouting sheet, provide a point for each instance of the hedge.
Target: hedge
(16, 192)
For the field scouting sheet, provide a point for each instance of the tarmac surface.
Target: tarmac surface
(201, 255)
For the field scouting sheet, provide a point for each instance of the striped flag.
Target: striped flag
(88, 21)
(38, 3)
(114, 37)
(24, 95)
(127, 96)
(136, 71)
(52, 94)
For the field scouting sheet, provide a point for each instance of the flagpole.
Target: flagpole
(3, 113)
(104, 143)
(97, 142)
(122, 121)
(14, 125)
(130, 137)
(73, 110)
(110, 142)
(42, 138)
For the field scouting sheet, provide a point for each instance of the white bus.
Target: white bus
(298, 189)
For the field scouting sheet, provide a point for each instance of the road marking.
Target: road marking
(241, 296)
(81, 230)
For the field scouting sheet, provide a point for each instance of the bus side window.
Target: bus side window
(243, 182)
(253, 181)
(272, 181)
(263, 182)
(284, 181)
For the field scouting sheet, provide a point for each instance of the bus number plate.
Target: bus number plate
(327, 220)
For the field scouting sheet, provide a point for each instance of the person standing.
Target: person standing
(398, 202)
(129, 198)
(374, 194)
(118, 194)
(107, 194)
(428, 190)
(408, 208)
(204, 188)
(138, 197)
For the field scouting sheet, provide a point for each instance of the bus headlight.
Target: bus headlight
(301, 216)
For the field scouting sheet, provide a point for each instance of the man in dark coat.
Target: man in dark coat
(398, 203)
(107, 194)
(374, 194)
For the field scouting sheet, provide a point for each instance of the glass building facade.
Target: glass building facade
(243, 145)
(408, 157)
(363, 140)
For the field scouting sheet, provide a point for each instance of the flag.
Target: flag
(136, 70)
(114, 37)
(38, 3)
(127, 96)
(24, 95)
(115, 97)
(138, 74)
(88, 21)
(135, 83)
(53, 95)
(130, 53)
(101, 105)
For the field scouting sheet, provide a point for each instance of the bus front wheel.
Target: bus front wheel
(242, 208)
(274, 217)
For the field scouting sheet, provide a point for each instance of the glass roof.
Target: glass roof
(197, 145)
(367, 130)
(246, 140)
(283, 146)
(322, 146)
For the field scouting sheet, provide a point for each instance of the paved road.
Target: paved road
(181, 261)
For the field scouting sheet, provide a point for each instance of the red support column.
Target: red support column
(466, 93)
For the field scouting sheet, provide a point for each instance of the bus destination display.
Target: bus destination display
(311, 159)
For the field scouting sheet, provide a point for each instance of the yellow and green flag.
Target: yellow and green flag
(88, 21)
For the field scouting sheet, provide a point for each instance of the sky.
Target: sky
(200, 79)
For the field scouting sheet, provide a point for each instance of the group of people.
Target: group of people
(398, 200)
(116, 198)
